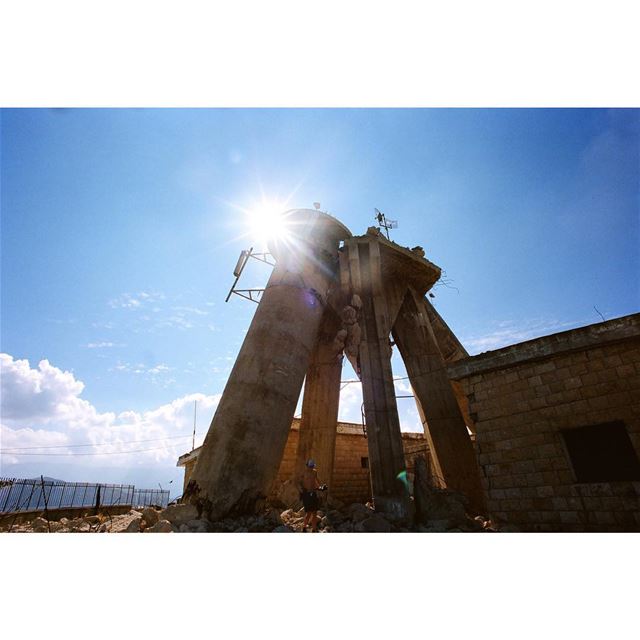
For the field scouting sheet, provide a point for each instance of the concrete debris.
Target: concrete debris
(150, 516)
(353, 339)
(40, 525)
(348, 315)
(287, 495)
(374, 524)
(436, 511)
(196, 526)
(359, 512)
(340, 340)
(180, 513)
(134, 525)
(162, 526)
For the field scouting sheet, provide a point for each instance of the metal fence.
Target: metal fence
(19, 494)
(150, 498)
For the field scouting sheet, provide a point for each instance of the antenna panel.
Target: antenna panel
(242, 261)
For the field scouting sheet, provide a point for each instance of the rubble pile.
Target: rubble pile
(435, 510)
(431, 510)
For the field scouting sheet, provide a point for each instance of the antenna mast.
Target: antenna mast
(384, 223)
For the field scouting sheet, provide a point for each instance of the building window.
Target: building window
(602, 453)
(364, 463)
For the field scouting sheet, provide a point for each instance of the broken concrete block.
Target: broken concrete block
(134, 525)
(150, 516)
(196, 526)
(162, 526)
(39, 525)
(180, 513)
(359, 512)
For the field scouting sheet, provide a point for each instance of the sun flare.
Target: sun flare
(267, 222)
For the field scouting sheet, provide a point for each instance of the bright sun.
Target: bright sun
(266, 221)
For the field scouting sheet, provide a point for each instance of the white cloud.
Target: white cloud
(41, 407)
(350, 409)
(191, 310)
(157, 374)
(151, 312)
(135, 300)
(176, 320)
(103, 345)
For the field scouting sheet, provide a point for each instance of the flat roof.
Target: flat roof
(588, 337)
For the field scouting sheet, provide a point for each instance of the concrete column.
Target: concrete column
(386, 454)
(245, 442)
(449, 440)
(317, 436)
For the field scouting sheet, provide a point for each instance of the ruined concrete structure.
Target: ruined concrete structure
(350, 479)
(555, 420)
(331, 293)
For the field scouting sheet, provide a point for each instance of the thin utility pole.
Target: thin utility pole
(195, 409)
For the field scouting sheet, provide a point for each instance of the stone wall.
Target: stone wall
(351, 481)
(521, 398)
(351, 471)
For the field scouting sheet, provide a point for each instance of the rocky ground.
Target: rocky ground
(440, 511)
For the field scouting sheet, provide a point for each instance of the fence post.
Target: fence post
(98, 499)
(84, 495)
(44, 497)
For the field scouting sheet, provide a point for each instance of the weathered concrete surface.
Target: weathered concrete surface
(243, 448)
(317, 436)
(449, 441)
(386, 455)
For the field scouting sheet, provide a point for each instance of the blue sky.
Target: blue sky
(120, 230)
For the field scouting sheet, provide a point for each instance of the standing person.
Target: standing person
(310, 500)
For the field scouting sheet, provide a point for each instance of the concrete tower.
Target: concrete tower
(245, 442)
(329, 294)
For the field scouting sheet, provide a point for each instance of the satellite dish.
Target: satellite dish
(316, 205)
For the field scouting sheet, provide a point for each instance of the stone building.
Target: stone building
(557, 424)
(351, 482)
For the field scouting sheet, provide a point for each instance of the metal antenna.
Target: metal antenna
(249, 294)
(384, 223)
